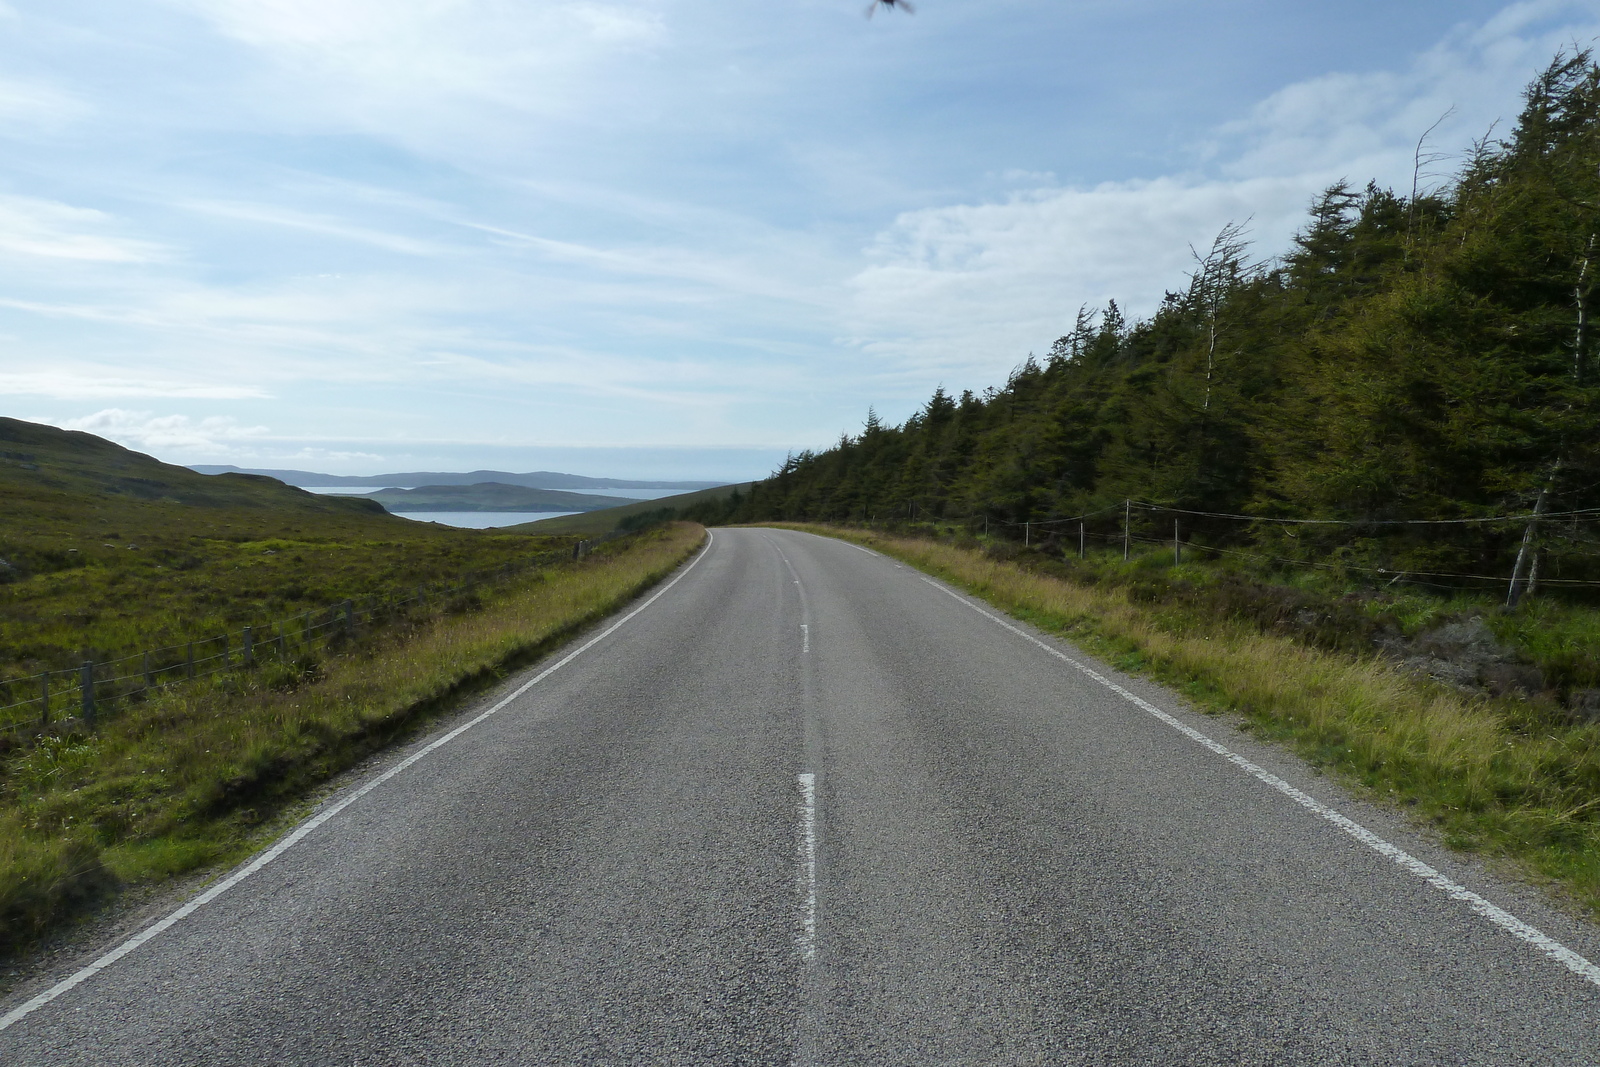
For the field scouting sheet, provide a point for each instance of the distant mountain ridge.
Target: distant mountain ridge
(489, 496)
(418, 479)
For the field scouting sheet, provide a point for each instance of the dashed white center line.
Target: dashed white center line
(806, 857)
(805, 637)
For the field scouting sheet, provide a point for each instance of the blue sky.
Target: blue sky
(670, 238)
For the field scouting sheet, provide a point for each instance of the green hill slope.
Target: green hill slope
(598, 523)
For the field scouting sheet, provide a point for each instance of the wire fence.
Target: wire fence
(1129, 524)
(87, 693)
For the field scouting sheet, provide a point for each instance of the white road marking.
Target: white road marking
(806, 939)
(1500, 917)
(805, 637)
(858, 548)
(323, 816)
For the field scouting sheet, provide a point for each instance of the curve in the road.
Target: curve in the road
(815, 808)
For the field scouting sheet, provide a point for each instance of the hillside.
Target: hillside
(107, 550)
(596, 523)
(489, 496)
(416, 479)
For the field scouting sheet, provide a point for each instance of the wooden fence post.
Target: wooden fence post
(44, 699)
(86, 683)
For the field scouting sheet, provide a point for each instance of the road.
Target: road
(807, 806)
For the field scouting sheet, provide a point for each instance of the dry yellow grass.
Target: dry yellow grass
(188, 778)
(1496, 777)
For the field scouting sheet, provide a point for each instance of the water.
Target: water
(626, 494)
(481, 520)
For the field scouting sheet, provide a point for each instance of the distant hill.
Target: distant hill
(489, 496)
(595, 523)
(39, 463)
(417, 479)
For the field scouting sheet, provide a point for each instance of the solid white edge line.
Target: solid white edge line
(327, 813)
(1500, 917)
(806, 939)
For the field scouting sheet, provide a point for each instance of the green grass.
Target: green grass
(1515, 780)
(190, 777)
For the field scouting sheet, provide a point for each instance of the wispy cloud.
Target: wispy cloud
(35, 103)
(48, 229)
(273, 217)
(99, 382)
(406, 67)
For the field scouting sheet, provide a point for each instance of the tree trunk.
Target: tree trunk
(1526, 553)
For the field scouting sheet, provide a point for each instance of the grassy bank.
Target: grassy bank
(188, 778)
(1511, 778)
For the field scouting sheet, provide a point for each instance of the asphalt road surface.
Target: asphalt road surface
(809, 807)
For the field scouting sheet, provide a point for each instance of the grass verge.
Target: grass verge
(1505, 778)
(189, 778)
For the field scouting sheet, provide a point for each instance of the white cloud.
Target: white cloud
(214, 435)
(35, 103)
(283, 218)
(49, 229)
(977, 286)
(1367, 125)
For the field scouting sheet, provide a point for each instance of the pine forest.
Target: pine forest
(1417, 373)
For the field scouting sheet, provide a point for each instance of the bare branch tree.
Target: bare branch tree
(1216, 275)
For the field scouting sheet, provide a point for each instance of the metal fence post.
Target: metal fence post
(86, 683)
(249, 647)
(1080, 541)
(1177, 546)
(44, 699)
(149, 681)
(350, 617)
(188, 671)
(1127, 521)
